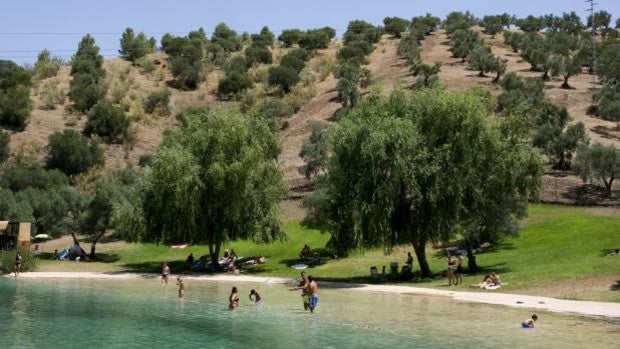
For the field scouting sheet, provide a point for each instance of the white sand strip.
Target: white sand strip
(602, 309)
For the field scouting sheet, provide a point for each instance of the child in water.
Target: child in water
(181, 287)
(529, 323)
(257, 297)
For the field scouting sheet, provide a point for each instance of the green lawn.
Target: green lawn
(557, 244)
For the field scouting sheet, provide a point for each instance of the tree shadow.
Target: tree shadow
(176, 267)
(612, 252)
(106, 257)
(615, 287)
(586, 194)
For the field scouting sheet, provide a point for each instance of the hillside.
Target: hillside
(131, 84)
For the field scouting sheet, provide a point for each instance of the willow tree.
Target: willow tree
(213, 180)
(408, 169)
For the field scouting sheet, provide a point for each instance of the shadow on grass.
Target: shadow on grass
(610, 252)
(99, 257)
(615, 287)
(176, 267)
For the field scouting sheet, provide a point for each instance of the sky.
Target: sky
(28, 26)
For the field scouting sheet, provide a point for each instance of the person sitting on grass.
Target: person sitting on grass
(316, 259)
(529, 323)
(305, 252)
(190, 260)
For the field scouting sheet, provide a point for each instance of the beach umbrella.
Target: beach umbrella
(42, 237)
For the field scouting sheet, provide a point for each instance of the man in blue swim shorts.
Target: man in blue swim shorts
(313, 290)
(529, 323)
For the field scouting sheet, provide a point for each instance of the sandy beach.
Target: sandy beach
(594, 309)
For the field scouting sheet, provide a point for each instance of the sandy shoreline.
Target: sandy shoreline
(587, 308)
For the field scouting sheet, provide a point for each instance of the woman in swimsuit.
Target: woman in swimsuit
(459, 270)
(233, 299)
(165, 273)
(450, 269)
(18, 263)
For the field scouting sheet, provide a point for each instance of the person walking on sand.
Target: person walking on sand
(313, 294)
(18, 263)
(181, 285)
(165, 273)
(529, 323)
(303, 284)
(233, 299)
(257, 299)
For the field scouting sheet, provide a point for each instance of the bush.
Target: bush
(231, 85)
(145, 160)
(361, 30)
(51, 95)
(72, 153)
(299, 53)
(276, 108)
(107, 121)
(315, 39)
(351, 55)
(226, 37)
(7, 261)
(158, 102)
(19, 178)
(86, 87)
(257, 54)
(609, 101)
(46, 65)
(5, 146)
(292, 62)
(185, 59)
(15, 103)
(134, 47)
(284, 77)
(324, 66)
(290, 37)
(236, 64)
(395, 26)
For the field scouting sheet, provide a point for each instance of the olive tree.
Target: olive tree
(599, 163)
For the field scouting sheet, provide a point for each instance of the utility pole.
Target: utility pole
(593, 39)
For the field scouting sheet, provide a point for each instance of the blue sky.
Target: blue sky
(28, 26)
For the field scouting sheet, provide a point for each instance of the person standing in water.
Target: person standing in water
(233, 299)
(165, 273)
(303, 284)
(257, 299)
(312, 290)
(450, 269)
(458, 275)
(18, 263)
(181, 285)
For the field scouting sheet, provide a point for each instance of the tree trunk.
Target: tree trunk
(496, 78)
(545, 76)
(420, 252)
(565, 84)
(481, 74)
(75, 240)
(608, 186)
(214, 253)
(92, 246)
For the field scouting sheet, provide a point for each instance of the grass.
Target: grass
(557, 244)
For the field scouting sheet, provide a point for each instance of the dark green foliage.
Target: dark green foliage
(264, 38)
(513, 39)
(518, 90)
(185, 59)
(15, 103)
(236, 64)
(72, 153)
(608, 65)
(459, 21)
(215, 53)
(492, 25)
(571, 23)
(157, 101)
(609, 101)
(565, 65)
(5, 146)
(426, 73)
(19, 178)
(314, 152)
(395, 26)
(290, 37)
(257, 54)
(284, 77)
(134, 47)
(599, 163)
(107, 121)
(533, 49)
(462, 42)
(481, 58)
(292, 61)
(601, 19)
(226, 37)
(352, 55)
(275, 108)
(7, 261)
(531, 24)
(618, 23)
(560, 144)
(299, 53)
(359, 30)
(233, 84)
(348, 92)
(425, 24)
(87, 86)
(145, 160)
(314, 39)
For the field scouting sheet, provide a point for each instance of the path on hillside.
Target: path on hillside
(386, 68)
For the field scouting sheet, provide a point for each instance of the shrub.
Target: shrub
(323, 66)
(107, 121)
(86, 87)
(20, 177)
(51, 95)
(15, 103)
(185, 59)
(5, 146)
(226, 37)
(315, 39)
(276, 108)
(232, 84)
(292, 62)
(361, 30)
(7, 261)
(352, 55)
(299, 53)
(290, 37)
(264, 38)
(145, 160)
(395, 26)
(158, 102)
(72, 153)
(236, 64)
(257, 54)
(134, 47)
(284, 77)
(299, 95)
(46, 65)
(609, 101)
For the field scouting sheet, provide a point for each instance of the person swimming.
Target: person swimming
(257, 299)
(233, 299)
(529, 323)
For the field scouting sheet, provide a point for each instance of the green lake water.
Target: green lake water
(143, 314)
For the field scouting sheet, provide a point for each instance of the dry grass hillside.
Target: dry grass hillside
(128, 85)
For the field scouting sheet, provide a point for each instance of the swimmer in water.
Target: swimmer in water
(529, 323)
(233, 299)
(257, 299)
